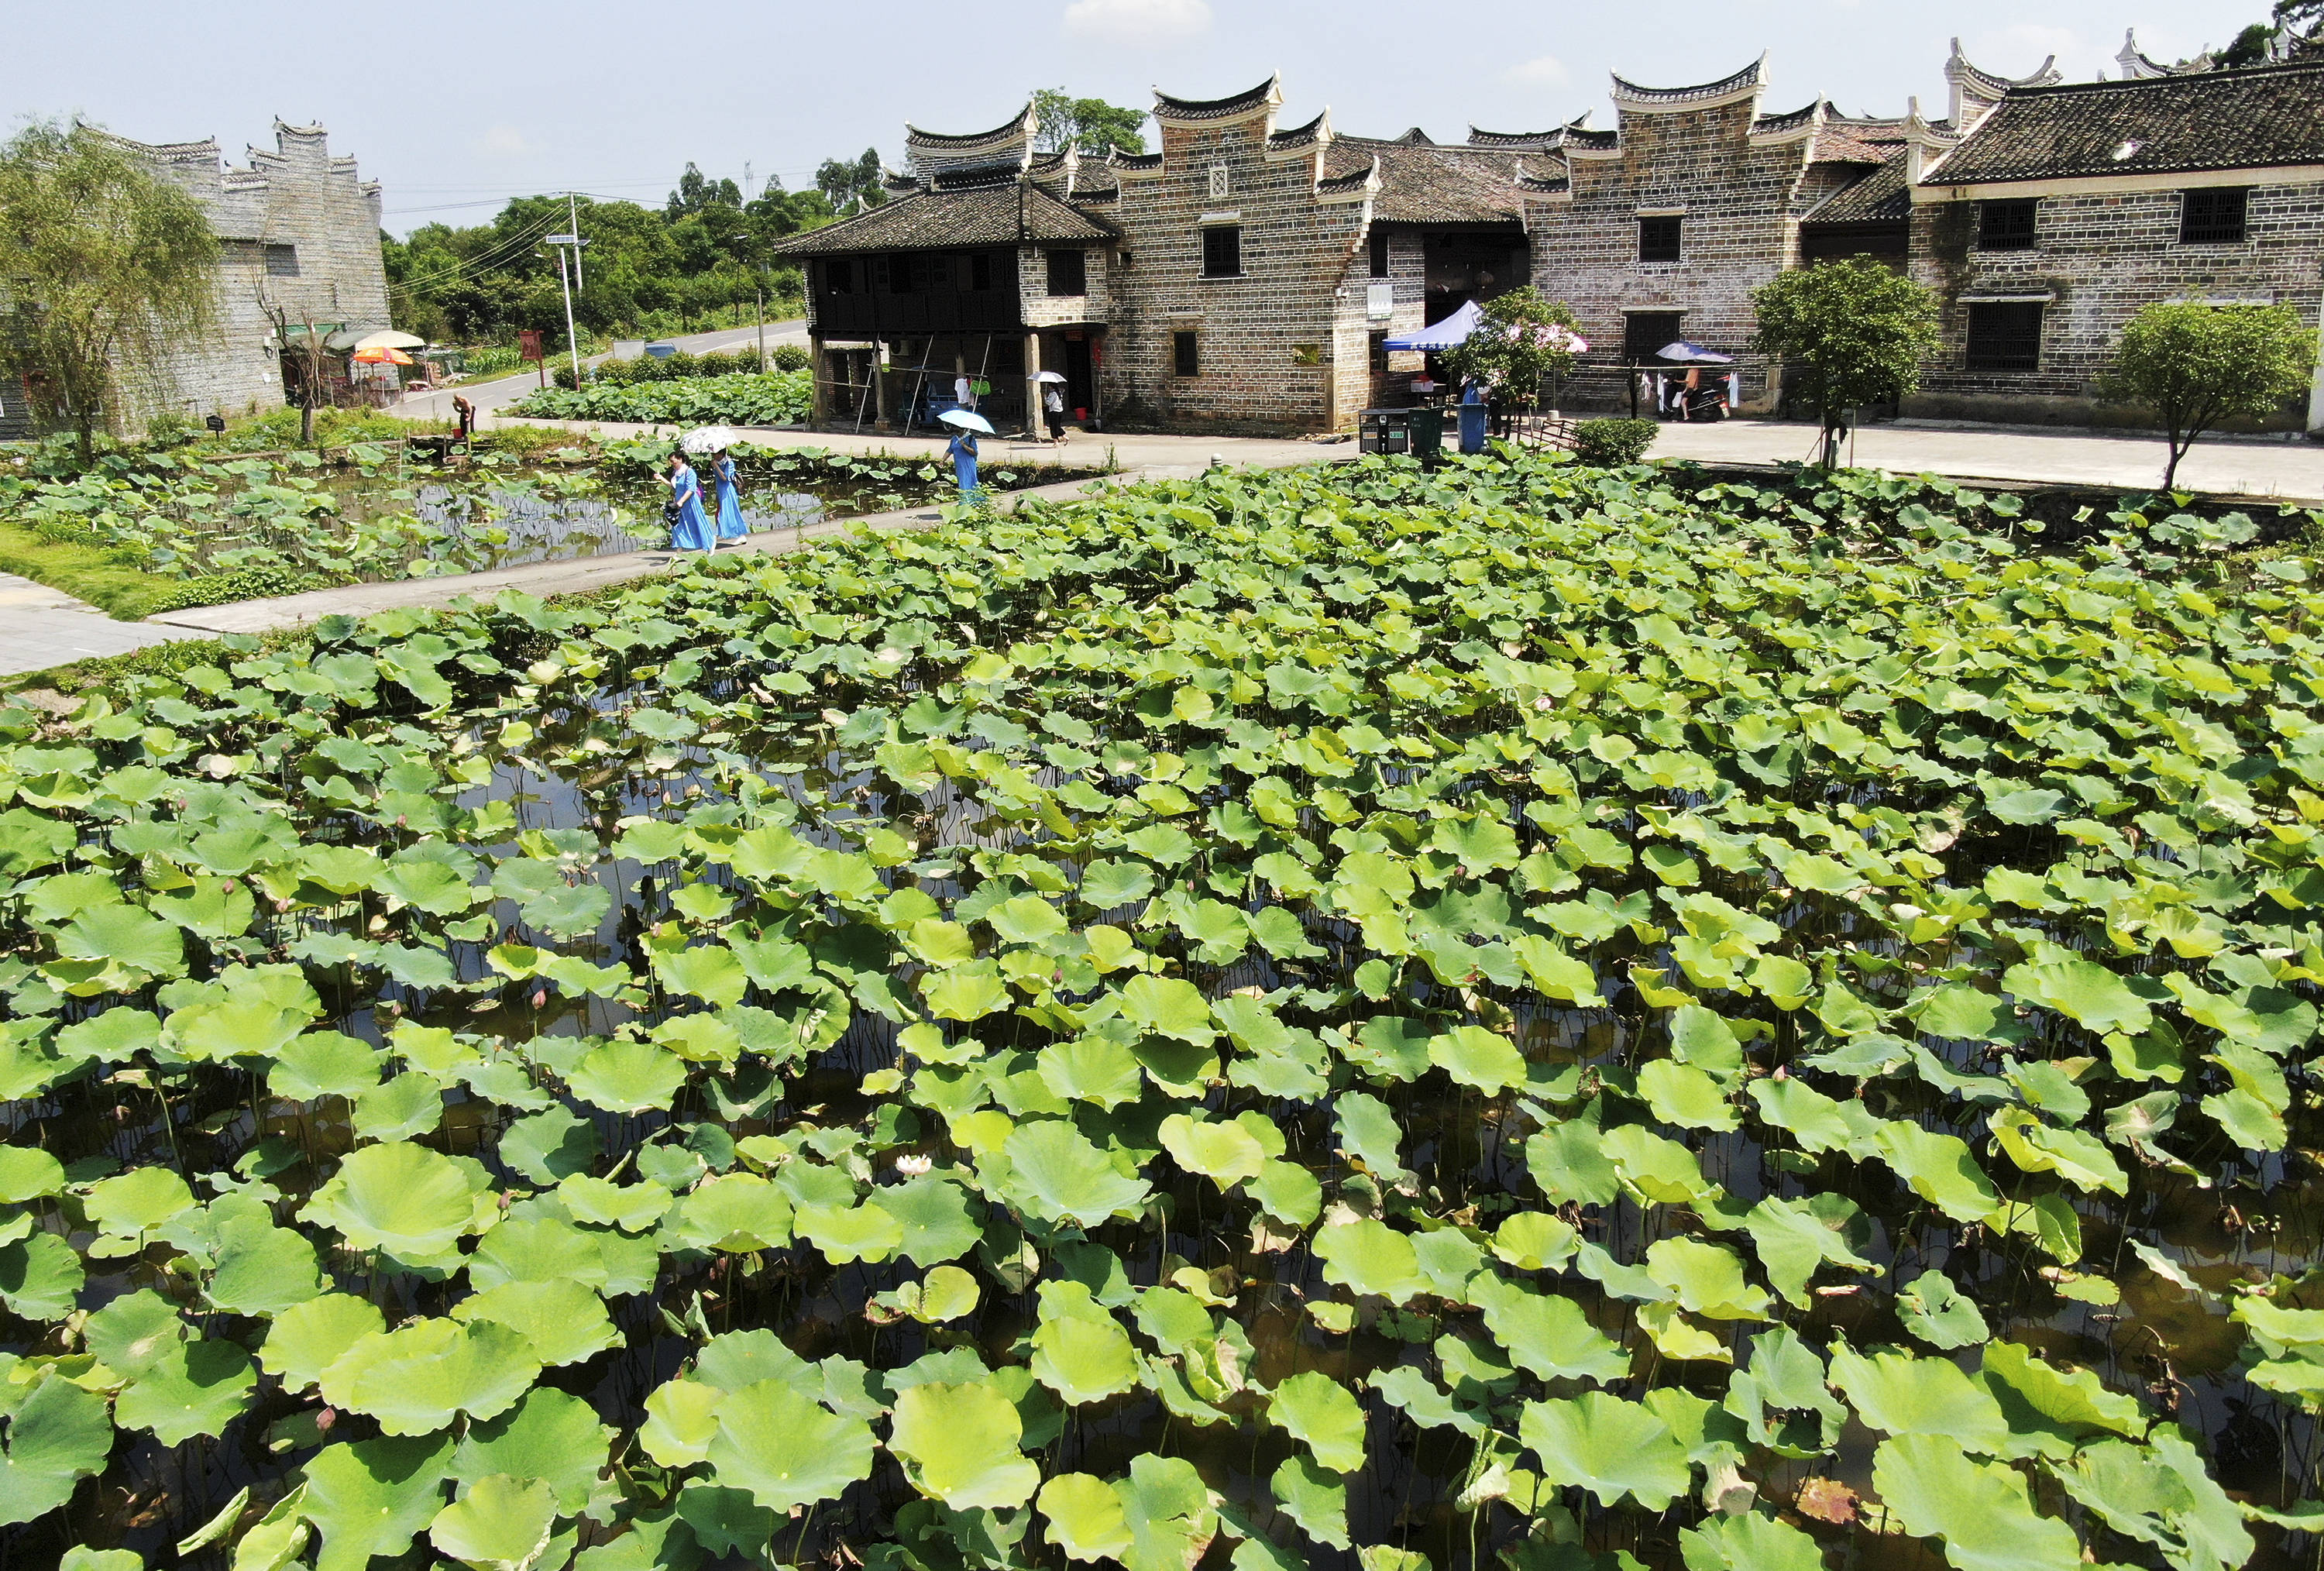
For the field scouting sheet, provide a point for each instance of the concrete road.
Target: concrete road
(42, 627)
(499, 393)
(2291, 469)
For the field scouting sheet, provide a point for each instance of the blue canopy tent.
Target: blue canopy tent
(1449, 334)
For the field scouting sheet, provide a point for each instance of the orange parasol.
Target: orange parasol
(382, 356)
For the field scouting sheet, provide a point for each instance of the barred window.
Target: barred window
(1658, 239)
(1068, 272)
(2213, 216)
(1186, 355)
(2006, 225)
(1222, 251)
(2005, 336)
(1644, 333)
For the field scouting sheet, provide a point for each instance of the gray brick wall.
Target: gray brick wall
(2102, 257)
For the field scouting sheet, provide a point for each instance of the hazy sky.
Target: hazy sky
(454, 106)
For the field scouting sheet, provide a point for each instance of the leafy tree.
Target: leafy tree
(2197, 366)
(1849, 333)
(697, 191)
(1522, 341)
(108, 267)
(1092, 125)
(2249, 47)
(852, 187)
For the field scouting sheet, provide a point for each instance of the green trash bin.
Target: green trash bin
(1427, 432)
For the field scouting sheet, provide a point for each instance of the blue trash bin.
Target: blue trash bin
(1472, 427)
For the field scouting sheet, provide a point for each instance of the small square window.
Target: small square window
(1380, 254)
(1645, 334)
(1658, 239)
(1187, 354)
(2006, 225)
(2005, 336)
(282, 261)
(1068, 272)
(1222, 251)
(2213, 216)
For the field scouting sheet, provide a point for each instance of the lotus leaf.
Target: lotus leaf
(549, 1436)
(189, 1389)
(403, 1198)
(1080, 1351)
(959, 1443)
(308, 1338)
(500, 1524)
(1315, 1409)
(1611, 1447)
(57, 1435)
(1368, 1256)
(563, 1320)
(1063, 1176)
(785, 1449)
(628, 1076)
(39, 1276)
(373, 1497)
(416, 1378)
(137, 1201)
(1979, 1509)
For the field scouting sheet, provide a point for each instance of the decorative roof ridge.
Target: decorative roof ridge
(1536, 141)
(2177, 79)
(1355, 178)
(1958, 69)
(1752, 76)
(2138, 65)
(284, 129)
(1317, 130)
(1117, 158)
(1545, 182)
(1268, 94)
(1799, 116)
(1021, 122)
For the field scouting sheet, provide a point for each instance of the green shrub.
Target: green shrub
(783, 398)
(1610, 444)
(246, 583)
(492, 360)
(789, 357)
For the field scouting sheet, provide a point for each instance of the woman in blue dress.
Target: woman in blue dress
(730, 504)
(690, 530)
(962, 453)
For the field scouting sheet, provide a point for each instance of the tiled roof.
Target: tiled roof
(1751, 75)
(985, 215)
(2220, 120)
(1575, 131)
(1857, 141)
(1429, 184)
(1166, 108)
(916, 137)
(1989, 87)
(1307, 135)
(1879, 197)
(1766, 125)
(975, 176)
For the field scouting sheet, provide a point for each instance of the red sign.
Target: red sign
(528, 341)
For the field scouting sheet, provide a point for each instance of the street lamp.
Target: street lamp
(571, 237)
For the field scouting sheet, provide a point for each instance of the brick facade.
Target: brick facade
(1289, 341)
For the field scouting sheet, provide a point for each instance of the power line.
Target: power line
(490, 258)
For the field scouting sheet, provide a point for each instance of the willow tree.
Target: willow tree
(106, 269)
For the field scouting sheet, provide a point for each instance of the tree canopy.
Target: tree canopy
(1523, 341)
(851, 185)
(109, 267)
(645, 270)
(1849, 333)
(1092, 125)
(2198, 367)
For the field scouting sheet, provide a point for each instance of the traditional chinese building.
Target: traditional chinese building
(1246, 275)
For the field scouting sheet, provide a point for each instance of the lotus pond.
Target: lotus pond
(1565, 1019)
(228, 528)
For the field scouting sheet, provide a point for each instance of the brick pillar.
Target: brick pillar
(879, 384)
(818, 380)
(2316, 392)
(1032, 383)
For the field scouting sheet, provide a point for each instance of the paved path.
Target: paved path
(2240, 466)
(42, 627)
(499, 393)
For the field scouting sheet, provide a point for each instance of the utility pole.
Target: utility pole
(571, 238)
(759, 287)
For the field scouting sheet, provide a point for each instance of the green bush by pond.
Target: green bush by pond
(777, 398)
(1530, 1011)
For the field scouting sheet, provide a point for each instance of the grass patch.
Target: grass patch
(86, 572)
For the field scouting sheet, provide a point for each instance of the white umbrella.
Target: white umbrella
(709, 439)
(1048, 377)
(967, 421)
(391, 340)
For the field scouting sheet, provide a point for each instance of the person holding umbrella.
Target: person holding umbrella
(961, 450)
(689, 529)
(1052, 404)
(729, 500)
